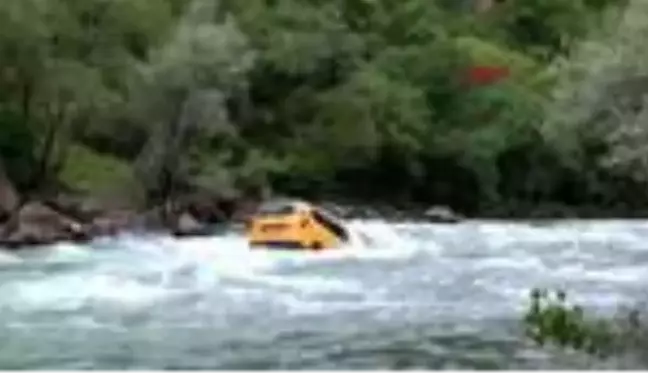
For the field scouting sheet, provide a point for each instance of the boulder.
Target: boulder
(441, 214)
(110, 223)
(187, 225)
(207, 207)
(37, 224)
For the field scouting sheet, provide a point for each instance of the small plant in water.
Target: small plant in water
(552, 319)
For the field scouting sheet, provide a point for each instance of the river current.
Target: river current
(424, 296)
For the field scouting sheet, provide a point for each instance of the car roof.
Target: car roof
(284, 203)
(280, 205)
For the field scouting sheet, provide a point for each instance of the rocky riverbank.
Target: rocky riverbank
(66, 217)
(70, 217)
(42, 222)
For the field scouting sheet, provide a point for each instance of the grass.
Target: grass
(103, 176)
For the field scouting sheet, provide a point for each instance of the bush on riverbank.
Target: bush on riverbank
(374, 101)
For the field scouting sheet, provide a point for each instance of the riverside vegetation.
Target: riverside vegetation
(141, 104)
(146, 105)
(169, 106)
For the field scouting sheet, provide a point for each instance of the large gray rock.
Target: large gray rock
(110, 223)
(441, 214)
(208, 207)
(187, 225)
(37, 224)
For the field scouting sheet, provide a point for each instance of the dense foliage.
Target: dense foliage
(366, 99)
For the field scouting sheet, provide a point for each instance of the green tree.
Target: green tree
(182, 92)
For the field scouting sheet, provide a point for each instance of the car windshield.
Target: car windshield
(329, 221)
(276, 208)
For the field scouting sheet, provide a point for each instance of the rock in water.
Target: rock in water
(111, 223)
(37, 224)
(187, 225)
(441, 214)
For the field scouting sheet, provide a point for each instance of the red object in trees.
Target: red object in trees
(482, 75)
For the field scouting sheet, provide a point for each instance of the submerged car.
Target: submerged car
(290, 224)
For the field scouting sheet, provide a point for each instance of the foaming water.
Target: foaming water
(415, 295)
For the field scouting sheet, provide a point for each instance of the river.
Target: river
(426, 296)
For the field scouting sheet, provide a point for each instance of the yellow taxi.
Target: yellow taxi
(292, 224)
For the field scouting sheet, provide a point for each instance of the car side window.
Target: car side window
(334, 227)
